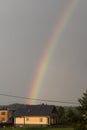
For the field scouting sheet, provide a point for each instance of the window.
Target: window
(27, 119)
(41, 119)
(2, 113)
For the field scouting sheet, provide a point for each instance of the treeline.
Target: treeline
(76, 116)
(67, 115)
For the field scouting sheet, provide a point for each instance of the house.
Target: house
(7, 115)
(36, 115)
(4, 115)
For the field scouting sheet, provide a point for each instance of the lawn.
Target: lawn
(36, 128)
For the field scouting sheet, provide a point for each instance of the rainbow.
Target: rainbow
(53, 40)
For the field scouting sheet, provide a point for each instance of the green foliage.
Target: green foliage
(82, 119)
(61, 112)
(83, 103)
(67, 115)
(36, 128)
(83, 107)
(80, 127)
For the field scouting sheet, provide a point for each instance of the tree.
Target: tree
(61, 112)
(83, 113)
(83, 104)
(71, 115)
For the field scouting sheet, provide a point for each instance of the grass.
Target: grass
(35, 128)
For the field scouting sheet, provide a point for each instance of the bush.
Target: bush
(80, 127)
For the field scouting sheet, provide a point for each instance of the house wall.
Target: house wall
(19, 120)
(36, 120)
(4, 115)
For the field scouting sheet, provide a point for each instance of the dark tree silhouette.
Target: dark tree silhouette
(82, 125)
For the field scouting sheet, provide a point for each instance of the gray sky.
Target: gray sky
(25, 27)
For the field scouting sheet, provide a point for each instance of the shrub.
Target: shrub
(80, 127)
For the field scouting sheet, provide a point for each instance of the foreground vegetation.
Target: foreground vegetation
(36, 128)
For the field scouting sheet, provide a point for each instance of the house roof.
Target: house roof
(35, 110)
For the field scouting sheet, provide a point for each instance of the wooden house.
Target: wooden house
(36, 115)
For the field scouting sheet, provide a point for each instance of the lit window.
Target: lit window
(2, 113)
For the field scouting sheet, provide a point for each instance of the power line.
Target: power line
(38, 99)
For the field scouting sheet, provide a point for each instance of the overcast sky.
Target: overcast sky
(25, 27)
